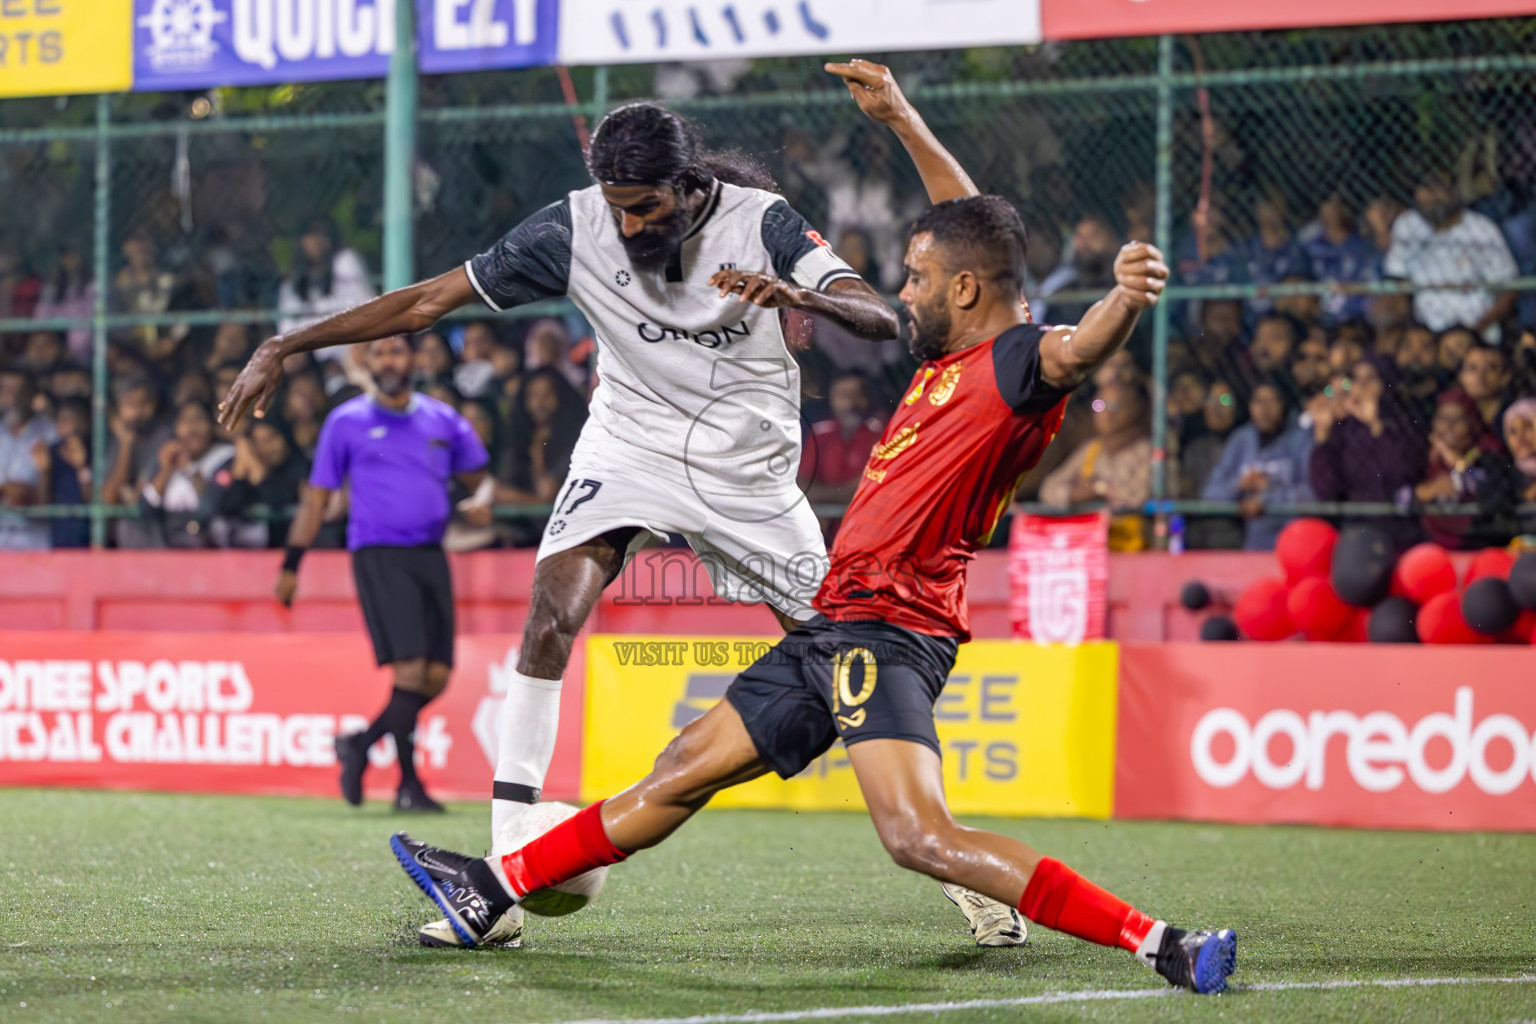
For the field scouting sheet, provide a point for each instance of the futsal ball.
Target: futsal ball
(567, 897)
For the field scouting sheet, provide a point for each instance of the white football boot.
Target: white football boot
(992, 923)
(506, 933)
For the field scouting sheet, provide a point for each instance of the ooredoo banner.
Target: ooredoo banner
(242, 713)
(1328, 734)
(1024, 729)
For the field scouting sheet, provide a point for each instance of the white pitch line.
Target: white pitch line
(1095, 995)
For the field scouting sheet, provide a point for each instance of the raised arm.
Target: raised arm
(403, 311)
(1069, 355)
(528, 263)
(874, 89)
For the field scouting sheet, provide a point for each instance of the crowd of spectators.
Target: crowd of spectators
(1422, 400)
(177, 479)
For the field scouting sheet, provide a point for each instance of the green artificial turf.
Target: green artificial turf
(123, 907)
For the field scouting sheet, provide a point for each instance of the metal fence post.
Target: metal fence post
(1163, 229)
(600, 89)
(400, 152)
(101, 271)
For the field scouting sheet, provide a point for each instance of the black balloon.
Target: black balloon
(1393, 622)
(1362, 566)
(1488, 606)
(1218, 627)
(1195, 596)
(1522, 581)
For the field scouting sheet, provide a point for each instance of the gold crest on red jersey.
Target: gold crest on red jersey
(904, 438)
(944, 389)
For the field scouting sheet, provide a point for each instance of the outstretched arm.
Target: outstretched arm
(848, 301)
(874, 88)
(403, 311)
(1069, 355)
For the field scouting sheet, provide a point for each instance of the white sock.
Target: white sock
(1147, 951)
(525, 745)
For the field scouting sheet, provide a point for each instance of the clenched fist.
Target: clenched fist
(1141, 273)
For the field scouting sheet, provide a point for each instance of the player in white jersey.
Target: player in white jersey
(681, 260)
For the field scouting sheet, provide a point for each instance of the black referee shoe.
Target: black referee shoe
(353, 758)
(413, 799)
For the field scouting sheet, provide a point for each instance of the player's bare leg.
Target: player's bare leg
(566, 587)
(903, 785)
(903, 820)
(712, 753)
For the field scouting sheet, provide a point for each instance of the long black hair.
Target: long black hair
(644, 143)
(564, 428)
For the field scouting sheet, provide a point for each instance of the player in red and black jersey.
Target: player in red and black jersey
(982, 408)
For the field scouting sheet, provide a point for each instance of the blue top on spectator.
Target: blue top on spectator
(400, 465)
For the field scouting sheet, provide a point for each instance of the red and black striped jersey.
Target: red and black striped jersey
(971, 425)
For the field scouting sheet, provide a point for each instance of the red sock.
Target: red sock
(1060, 898)
(573, 847)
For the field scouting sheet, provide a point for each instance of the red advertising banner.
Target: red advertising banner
(244, 713)
(1326, 734)
(1058, 573)
(1097, 19)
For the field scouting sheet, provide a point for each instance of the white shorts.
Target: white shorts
(766, 547)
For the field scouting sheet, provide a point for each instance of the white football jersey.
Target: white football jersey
(702, 389)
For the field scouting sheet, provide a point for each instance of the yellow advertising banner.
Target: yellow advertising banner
(1026, 729)
(55, 47)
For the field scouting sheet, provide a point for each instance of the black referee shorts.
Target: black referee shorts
(854, 680)
(407, 599)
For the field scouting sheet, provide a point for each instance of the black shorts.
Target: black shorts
(854, 680)
(407, 599)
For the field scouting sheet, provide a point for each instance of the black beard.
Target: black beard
(653, 247)
(928, 340)
(391, 384)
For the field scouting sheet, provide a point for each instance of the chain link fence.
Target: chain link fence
(1349, 214)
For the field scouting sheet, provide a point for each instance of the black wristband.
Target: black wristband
(292, 556)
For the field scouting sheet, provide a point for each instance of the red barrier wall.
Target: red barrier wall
(1328, 734)
(231, 591)
(242, 713)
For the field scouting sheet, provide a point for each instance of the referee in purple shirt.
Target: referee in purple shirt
(400, 450)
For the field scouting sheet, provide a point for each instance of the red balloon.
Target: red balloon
(1424, 572)
(1355, 630)
(1492, 562)
(1522, 632)
(1261, 613)
(1316, 610)
(1440, 622)
(1305, 548)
